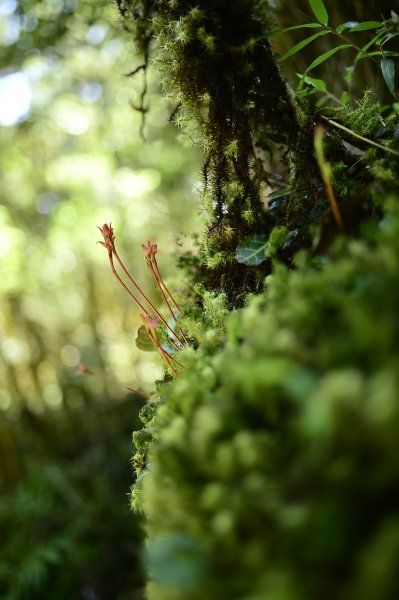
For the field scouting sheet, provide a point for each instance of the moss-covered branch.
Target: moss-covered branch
(232, 99)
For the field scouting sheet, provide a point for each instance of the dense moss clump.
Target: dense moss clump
(273, 466)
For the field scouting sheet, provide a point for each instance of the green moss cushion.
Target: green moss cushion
(273, 466)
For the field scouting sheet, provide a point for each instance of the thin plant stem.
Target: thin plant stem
(162, 352)
(152, 265)
(146, 299)
(360, 137)
(124, 285)
(325, 171)
(348, 41)
(164, 284)
(172, 343)
(167, 358)
(135, 299)
(158, 274)
(174, 359)
(333, 203)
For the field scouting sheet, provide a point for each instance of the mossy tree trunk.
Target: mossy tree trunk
(221, 75)
(269, 469)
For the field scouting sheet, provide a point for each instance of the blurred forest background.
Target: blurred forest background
(71, 159)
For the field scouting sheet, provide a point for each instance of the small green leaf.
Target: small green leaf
(322, 101)
(278, 236)
(344, 98)
(302, 94)
(363, 52)
(365, 26)
(349, 74)
(302, 44)
(279, 194)
(319, 11)
(275, 32)
(347, 25)
(143, 340)
(388, 37)
(388, 73)
(251, 251)
(326, 56)
(318, 84)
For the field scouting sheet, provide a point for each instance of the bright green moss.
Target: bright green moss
(147, 413)
(344, 184)
(278, 236)
(275, 464)
(364, 119)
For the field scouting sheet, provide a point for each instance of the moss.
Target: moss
(219, 70)
(364, 119)
(343, 181)
(269, 469)
(219, 73)
(276, 452)
(277, 239)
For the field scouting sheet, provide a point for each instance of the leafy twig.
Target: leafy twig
(360, 137)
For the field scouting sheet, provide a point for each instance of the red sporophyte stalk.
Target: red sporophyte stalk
(109, 237)
(149, 252)
(150, 322)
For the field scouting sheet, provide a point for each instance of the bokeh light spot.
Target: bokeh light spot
(15, 98)
(70, 356)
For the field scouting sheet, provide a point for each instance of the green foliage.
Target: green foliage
(177, 558)
(303, 44)
(215, 308)
(365, 118)
(143, 340)
(147, 412)
(232, 101)
(269, 469)
(319, 11)
(274, 470)
(278, 237)
(256, 249)
(252, 250)
(388, 72)
(66, 528)
(344, 185)
(73, 160)
(384, 32)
